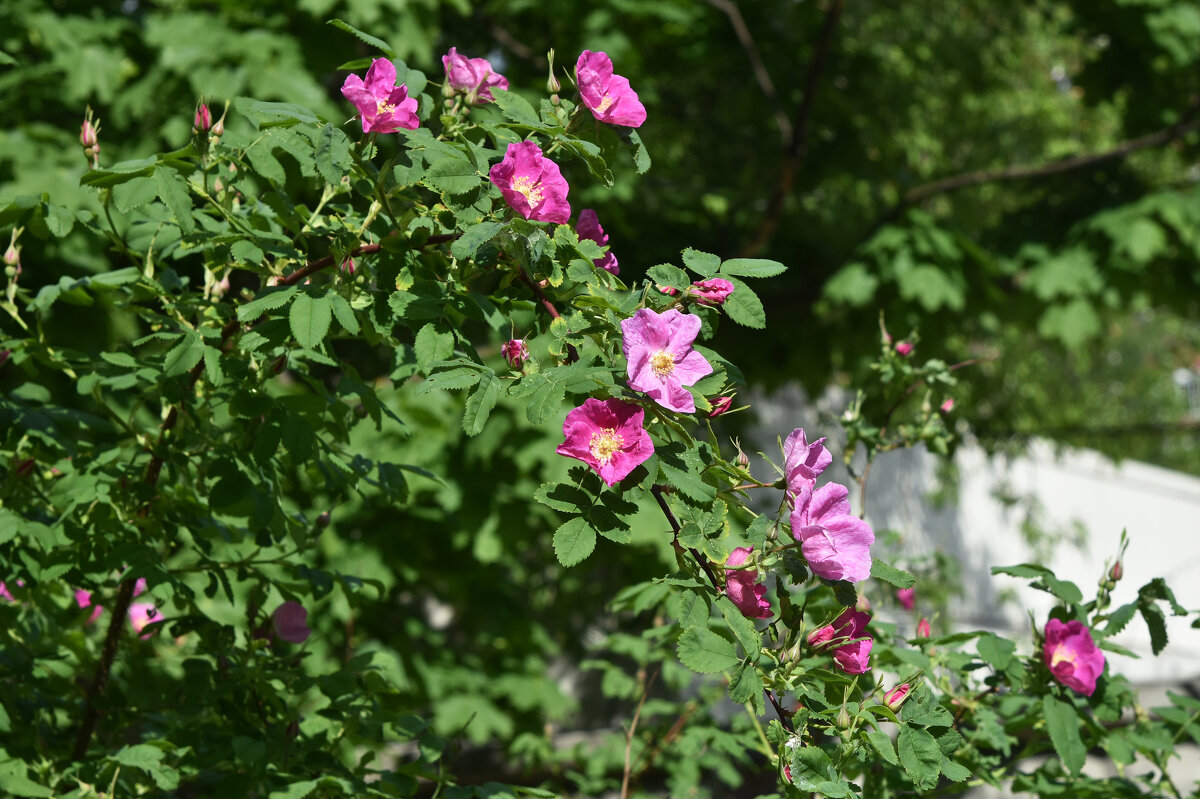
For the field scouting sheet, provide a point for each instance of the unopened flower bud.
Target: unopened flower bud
(280, 364)
(923, 630)
(743, 460)
(323, 519)
(669, 291)
(819, 638)
(843, 719)
(895, 697)
(88, 133)
(1116, 572)
(863, 605)
(515, 352)
(904, 348)
(792, 654)
(218, 128)
(948, 405)
(347, 267)
(290, 621)
(203, 119)
(12, 256)
(720, 405)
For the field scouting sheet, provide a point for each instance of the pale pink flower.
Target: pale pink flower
(835, 542)
(515, 352)
(720, 405)
(853, 656)
(907, 597)
(606, 95)
(1072, 656)
(608, 436)
(904, 349)
(895, 697)
(203, 119)
(923, 630)
(141, 615)
(713, 291)
(473, 77)
(290, 621)
(948, 405)
(658, 347)
(742, 589)
(588, 227)
(802, 461)
(531, 183)
(83, 598)
(383, 106)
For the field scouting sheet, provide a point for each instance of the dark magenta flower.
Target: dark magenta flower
(588, 227)
(608, 436)
(531, 183)
(473, 77)
(835, 542)
(383, 106)
(290, 621)
(658, 347)
(711, 292)
(742, 588)
(904, 349)
(515, 352)
(1072, 656)
(606, 95)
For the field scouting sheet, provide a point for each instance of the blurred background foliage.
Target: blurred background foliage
(1016, 182)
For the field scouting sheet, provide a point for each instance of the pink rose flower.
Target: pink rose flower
(852, 656)
(290, 621)
(923, 630)
(895, 697)
(515, 352)
(141, 615)
(588, 227)
(802, 461)
(740, 586)
(907, 597)
(5, 594)
(383, 106)
(835, 542)
(606, 95)
(532, 184)
(658, 347)
(608, 436)
(1072, 656)
(948, 405)
(473, 77)
(904, 349)
(711, 292)
(83, 599)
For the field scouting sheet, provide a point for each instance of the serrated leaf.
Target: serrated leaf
(996, 650)
(481, 402)
(452, 175)
(332, 154)
(705, 652)
(1117, 620)
(742, 627)
(212, 366)
(544, 401)
(309, 319)
(174, 192)
(1062, 722)
(574, 541)
(516, 108)
(883, 745)
(955, 771)
(184, 355)
(134, 193)
(890, 574)
(752, 267)
(474, 237)
(641, 156)
(344, 314)
(1156, 624)
(702, 263)
(269, 300)
(563, 497)
(920, 756)
(746, 685)
(744, 307)
(668, 275)
(377, 43)
(434, 342)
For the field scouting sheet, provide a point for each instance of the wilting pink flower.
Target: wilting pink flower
(948, 405)
(904, 348)
(83, 598)
(515, 352)
(203, 119)
(473, 77)
(608, 436)
(588, 227)
(141, 615)
(923, 630)
(531, 183)
(658, 347)
(1072, 655)
(835, 542)
(290, 621)
(383, 106)
(852, 655)
(711, 292)
(740, 586)
(608, 96)
(720, 405)
(907, 597)
(802, 461)
(895, 697)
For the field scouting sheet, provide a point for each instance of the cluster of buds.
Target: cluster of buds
(89, 138)
(204, 129)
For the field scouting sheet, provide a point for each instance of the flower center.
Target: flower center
(604, 444)
(532, 192)
(1061, 653)
(605, 103)
(662, 363)
(382, 106)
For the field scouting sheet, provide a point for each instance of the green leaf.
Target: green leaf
(996, 650)
(481, 402)
(746, 684)
(920, 756)
(743, 628)
(1117, 620)
(892, 575)
(752, 267)
(297, 790)
(1062, 722)
(184, 355)
(563, 497)
(15, 784)
(310, 317)
(452, 175)
(702, 263)
(378, 44)
(955, 771)
(268, 300)
(574, 541)
(271, 115)
(641, 156)
(668, 275)
(1156, 624)
(174, 192)
(744, 307)
(812, 770)
(883, 745)
(134, 193)
(516, 108)
(434, 342)
(1065, 590)
(852, 285)
(1072, 323)
(705, 652)
(473, 238)
(344, 314)
(332, 154)
(684, 473)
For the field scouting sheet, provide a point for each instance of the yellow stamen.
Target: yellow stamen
(662, 363)
(382, 106)
(533, 193)
(1061, 653)
(605, 103)
(604, 444)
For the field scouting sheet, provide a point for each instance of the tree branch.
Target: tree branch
(797, 147)
(760, 71)
(366, 249)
